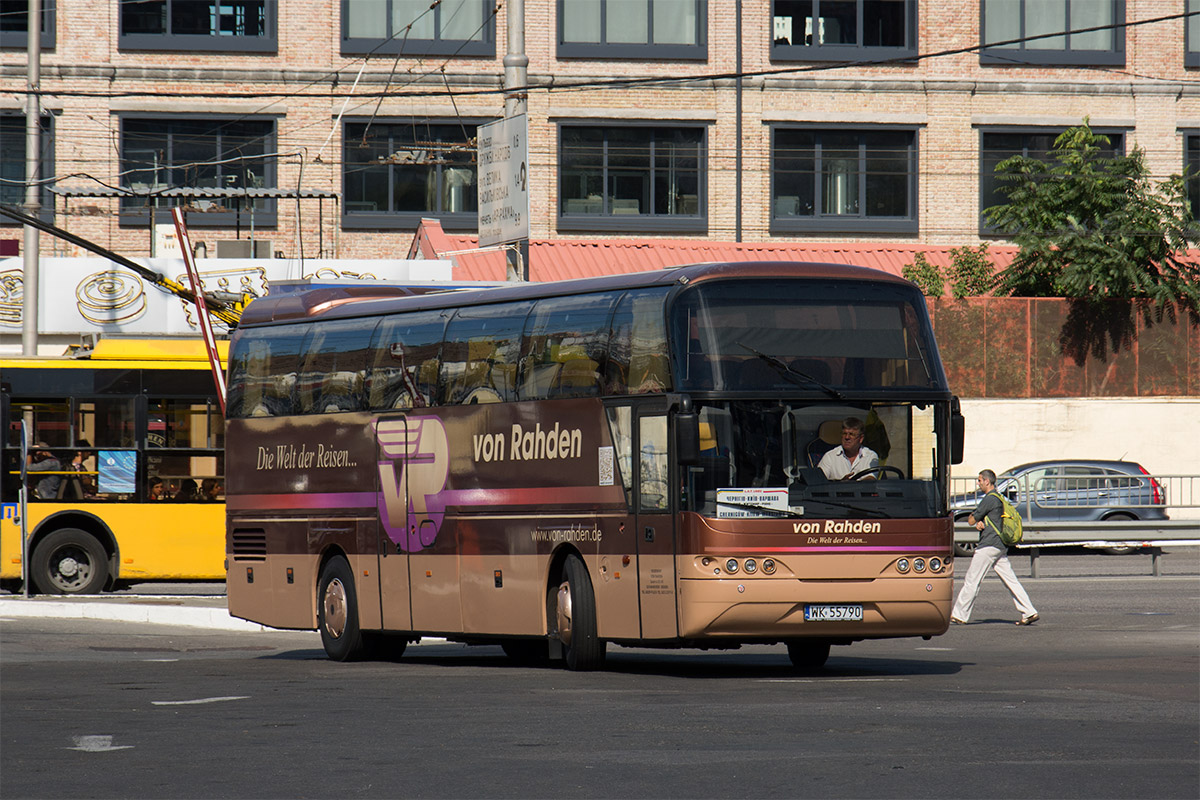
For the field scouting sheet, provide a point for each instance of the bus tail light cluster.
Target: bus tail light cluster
(919, 565)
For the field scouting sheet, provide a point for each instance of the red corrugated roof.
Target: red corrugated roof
(562, 259)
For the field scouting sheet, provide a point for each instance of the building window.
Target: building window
(12, 164)
(1191, 161)
(1191, 50)
(14, 24)
(1010, 20)
(996, 146)
(646, 178)
(639, 29)
(841, 30)
(843, 181)
(394, 174)
(419, 27)
(208, 25)
(211, 166)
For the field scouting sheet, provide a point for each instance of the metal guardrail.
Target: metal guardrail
(1147, 535)
(1047, 496)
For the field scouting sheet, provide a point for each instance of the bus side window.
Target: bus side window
(636, 351)
(479, 359)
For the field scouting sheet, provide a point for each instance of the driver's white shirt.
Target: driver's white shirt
(837, 465)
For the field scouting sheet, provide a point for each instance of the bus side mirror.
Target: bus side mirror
(687, 437)
(958, 433)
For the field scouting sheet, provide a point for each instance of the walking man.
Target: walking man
(990, 553)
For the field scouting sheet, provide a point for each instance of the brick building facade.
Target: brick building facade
(866, 121)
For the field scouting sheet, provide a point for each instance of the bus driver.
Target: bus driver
(851, 456)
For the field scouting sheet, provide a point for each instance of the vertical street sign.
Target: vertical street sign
(503, 181)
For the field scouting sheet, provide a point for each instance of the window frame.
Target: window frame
(1191, 49)
(406, 220)
(206, 43)
(1022, 56)
(649, 223)
(844, 223)
(849, 52)
(647, 51)
(19, 40)
(398, 45)
(46, 165)
(986, 230)
(266, 218)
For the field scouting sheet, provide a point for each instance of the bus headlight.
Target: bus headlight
(935, 564)
(919, 564)
(902, 565)
(751, 565)
(731, 565)
(768, 566)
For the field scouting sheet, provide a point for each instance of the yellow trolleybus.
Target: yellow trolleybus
(630, 460)
(137, 434)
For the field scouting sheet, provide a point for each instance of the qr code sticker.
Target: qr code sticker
(606, 466)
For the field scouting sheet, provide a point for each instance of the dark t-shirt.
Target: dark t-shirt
(990, 508)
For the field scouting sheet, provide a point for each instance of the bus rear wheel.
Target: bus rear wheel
(337, 613)
(808, 655)
(69, 561)
(575, 618)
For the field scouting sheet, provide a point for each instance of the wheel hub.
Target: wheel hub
(563, 613)
(68, 567)
(335, 609)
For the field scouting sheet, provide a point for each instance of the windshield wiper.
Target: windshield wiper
(848, 507)
(783, 512)
(792, 372)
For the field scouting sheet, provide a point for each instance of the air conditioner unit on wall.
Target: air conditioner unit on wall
(241, 248)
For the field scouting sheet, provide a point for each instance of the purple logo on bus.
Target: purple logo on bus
(414, 455)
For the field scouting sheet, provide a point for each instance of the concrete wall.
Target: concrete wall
(1161, 434)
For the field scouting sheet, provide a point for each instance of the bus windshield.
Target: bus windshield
(766, 334)
(764, 459)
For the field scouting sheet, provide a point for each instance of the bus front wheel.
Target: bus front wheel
(808, 655)
(575, 618)
(69, 561)
(337, 613)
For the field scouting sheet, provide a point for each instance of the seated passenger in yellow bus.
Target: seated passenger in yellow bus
(40, 459)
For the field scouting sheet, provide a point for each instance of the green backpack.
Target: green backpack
(1011, 531)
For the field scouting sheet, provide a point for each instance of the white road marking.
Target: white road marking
(199, 702)
(97, 744)
(946, 649)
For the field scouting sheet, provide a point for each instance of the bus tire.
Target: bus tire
(69, 561)
(337, 612)
(808, 655)
(575, 618)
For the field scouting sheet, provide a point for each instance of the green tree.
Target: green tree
(971, 271)
(926, 276)
(1093, 227)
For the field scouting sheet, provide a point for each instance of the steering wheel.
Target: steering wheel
(880, 471)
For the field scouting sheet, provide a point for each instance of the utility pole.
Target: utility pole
(33, 205)
(516, 76)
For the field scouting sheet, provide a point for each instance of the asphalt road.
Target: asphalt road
(1100, 699)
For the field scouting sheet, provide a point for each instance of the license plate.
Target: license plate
(833, 613)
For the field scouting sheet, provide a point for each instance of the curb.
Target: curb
(164, 611)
